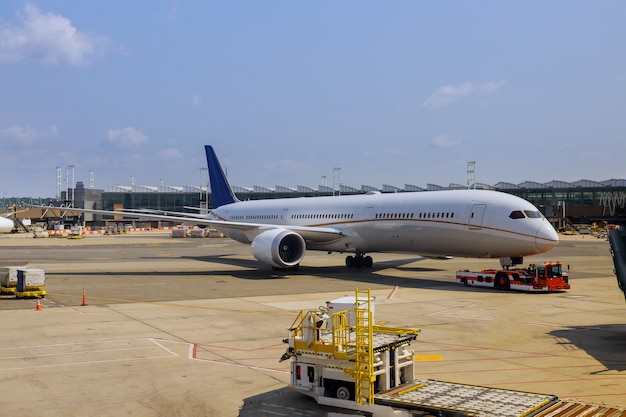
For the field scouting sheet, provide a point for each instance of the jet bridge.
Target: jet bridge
(617, 239)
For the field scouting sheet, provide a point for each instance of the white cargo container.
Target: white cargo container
(349, 303)
(30, 279)
(178, 233)
(197, 232)
(8, 276)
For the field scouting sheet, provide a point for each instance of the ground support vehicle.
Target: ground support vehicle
(544, 277)
(31, 283)
(342, 359)
(38, 292)
(76, 232)
(8, 279)
(7, 290)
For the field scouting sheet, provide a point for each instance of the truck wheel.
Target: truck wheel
(502, 281)
(343, 392)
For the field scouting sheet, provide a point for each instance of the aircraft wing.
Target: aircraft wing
(11, 213)
(165, 212)
(250, 230)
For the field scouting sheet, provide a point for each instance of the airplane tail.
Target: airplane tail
(221, 192)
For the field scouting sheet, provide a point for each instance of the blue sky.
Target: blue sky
(401, 92)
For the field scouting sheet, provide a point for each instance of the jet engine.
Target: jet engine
(279, 248)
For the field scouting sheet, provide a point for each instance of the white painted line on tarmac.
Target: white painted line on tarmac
(91, 342)
(238, 365)
(92, 352)
(86, 352)
(163, 347)
(82, 363)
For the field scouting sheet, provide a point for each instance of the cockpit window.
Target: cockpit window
(533, 214)
(517, 214)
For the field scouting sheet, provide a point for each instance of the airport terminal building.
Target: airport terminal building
(563, 203)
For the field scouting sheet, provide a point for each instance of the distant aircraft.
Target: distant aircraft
(6, 225)
(433, 224)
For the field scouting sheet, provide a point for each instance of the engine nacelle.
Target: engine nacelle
(279, 248)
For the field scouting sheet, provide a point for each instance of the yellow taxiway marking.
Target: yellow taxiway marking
(428, 358)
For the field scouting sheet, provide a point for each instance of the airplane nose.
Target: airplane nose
(546, 237)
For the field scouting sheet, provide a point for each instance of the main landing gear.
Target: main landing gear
(359, 261)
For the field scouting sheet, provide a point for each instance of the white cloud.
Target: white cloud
(169, 153)
(196, 101)
(450, 94)
(444, 141)
(20, 134)
(26, 134)
(48, 37)
(127, 137)
(173, 11)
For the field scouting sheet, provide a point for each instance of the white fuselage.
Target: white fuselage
(464, 223)
(6, 225)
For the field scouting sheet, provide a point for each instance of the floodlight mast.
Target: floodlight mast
(471, 175)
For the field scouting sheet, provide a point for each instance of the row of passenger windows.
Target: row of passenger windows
(517, 214)
(256, 217)
(394, 215)
(295, 216)
(323, 216)
(445, 215)
(344, 216)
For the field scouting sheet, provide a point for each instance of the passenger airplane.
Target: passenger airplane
(6, 225)
(433, 224)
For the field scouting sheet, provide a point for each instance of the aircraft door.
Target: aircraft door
(476, 216)
(368, 216)
(283, 216)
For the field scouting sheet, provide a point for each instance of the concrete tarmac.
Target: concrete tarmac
(194, 327)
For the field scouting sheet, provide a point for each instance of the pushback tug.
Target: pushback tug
(543, 277)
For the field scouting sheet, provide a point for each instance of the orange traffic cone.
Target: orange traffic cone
(84, 298)
(38, 308)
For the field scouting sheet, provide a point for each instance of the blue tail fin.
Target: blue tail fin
(221, 192)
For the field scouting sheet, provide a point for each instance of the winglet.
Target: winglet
(221, 192)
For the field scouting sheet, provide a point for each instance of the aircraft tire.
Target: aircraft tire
(350, 261)
(368, 262)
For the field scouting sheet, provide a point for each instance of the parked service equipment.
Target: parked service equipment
(544, 277)
(31, 283)
(8, 279)
(371, 368)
